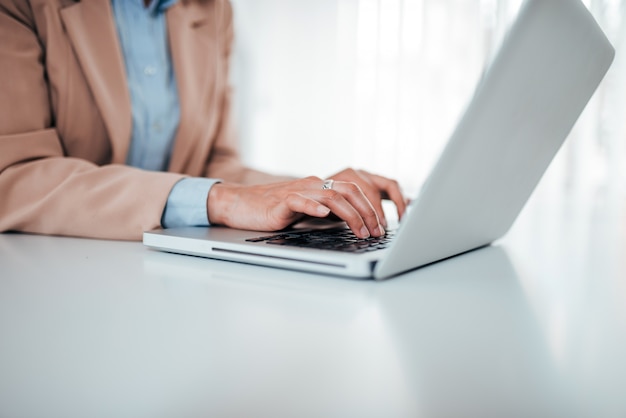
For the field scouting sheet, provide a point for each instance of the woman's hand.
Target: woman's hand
(375, 188)
(273, 207)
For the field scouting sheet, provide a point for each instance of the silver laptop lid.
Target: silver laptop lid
(548, 67)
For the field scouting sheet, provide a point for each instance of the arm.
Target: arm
(42, 189)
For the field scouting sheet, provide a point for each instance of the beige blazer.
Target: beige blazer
(65, 117)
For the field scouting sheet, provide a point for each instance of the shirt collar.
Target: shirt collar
(160, 6)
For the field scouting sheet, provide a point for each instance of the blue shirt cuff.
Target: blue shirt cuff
(186, 204)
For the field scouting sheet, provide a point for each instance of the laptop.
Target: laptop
(548, 67)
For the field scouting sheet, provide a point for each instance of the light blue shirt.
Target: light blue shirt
(155, 105)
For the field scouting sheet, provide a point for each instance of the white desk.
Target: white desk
(535, 327)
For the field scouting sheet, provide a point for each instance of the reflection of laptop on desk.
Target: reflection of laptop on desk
(548, 67)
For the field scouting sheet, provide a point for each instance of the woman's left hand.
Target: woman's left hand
(375, 188)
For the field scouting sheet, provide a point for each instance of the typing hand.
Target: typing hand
(275, 206)
(375, 188)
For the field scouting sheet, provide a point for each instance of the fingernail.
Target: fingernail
(365, 233)
(323, 210)
(379, 231)
(383, 222)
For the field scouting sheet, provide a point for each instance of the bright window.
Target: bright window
(380, 84)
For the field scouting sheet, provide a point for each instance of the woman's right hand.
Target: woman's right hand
(272, 207)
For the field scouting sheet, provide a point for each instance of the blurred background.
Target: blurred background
(380, 84)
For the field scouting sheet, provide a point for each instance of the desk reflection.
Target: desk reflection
(470, 343)
(456, 338)
(100, 329)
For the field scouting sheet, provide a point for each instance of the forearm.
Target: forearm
(66, 196)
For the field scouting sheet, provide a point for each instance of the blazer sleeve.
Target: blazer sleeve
(224, 161)
(42, 190)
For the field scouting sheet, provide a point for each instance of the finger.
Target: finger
(292, 208)
(298, 203)
(345, 211)
(373, 194)
(392, 189)
(344, 200)
(355, 196)
(369, 189)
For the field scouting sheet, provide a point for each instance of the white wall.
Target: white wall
(379, 84)
(285, 73)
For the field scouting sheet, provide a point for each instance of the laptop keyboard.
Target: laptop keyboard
(338, 239)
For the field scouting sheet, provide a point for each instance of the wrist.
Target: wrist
(219, 200)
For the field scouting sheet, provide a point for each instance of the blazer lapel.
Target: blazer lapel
(91, 29)
(193, 48)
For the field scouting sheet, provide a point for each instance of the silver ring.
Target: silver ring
(328, 184)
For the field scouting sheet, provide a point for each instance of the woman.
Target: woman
(114, 119)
